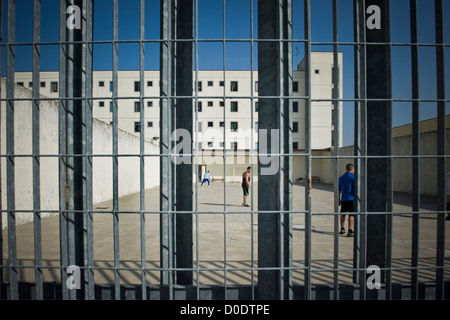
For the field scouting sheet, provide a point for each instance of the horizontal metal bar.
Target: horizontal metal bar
(225, 40)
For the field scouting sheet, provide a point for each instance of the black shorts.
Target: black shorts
(245, 190)
(348, 206)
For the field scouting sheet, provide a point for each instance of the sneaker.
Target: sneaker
(350, 233)
(448, 217)
(245, 205)
(342, 231)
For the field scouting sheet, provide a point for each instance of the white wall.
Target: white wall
(49, 184)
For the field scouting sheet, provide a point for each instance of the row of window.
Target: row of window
(42, 84)
(234, 126)
(137, 85)
(234, 107)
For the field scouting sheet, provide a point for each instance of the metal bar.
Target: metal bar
(142, 148)
(115, 142)
(1, 190)
(10, 175)
(36, 151)
(184, 117)
(378, 68)
(166, 165)
(336, 146)
(274, 78)
(88, 165)
(62, 148)
(441, 140)
(415, 151)
(360, 152)
(308, 209)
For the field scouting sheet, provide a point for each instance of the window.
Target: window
(221, 124)
(200, 86)
(222, 103)
(210, 124)
(295, 127)
(256, 126)
(101, 83)
(233, 86)
(199, 126)
(210, 104)
(101, 103)
(221, 83)
(234, 126)
(199, 145)
(149, 103)
(111, 87)
(256, 106)
(317, 71)
(256, 86)
(19, 83)
(295, 106)
(234, 106)
(42, 84)
(137, 106)
(210, 83)
(30, 84)
(295, 86)
(137, 86)
(110, 106)
(53, 86)
(222, 144)
(234, 146)
(295, 145)
(137, 127)
(210, 144)
(149, 83)
(199, 106)
(149, 124)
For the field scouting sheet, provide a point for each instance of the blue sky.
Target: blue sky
(237, 54)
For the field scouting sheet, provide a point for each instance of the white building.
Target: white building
(236, 117)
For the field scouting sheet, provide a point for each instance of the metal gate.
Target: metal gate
(281, 237)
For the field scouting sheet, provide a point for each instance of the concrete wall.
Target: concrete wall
(402, 168)
(49, 184)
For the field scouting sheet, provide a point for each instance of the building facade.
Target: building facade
(225, 110)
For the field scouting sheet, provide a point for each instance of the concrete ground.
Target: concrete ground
(226, 240)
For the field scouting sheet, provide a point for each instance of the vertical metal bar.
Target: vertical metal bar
(360, 145)
(183, 120)
(36, 152)
(379, 129)
(89, 221)
(75, 173)
(115, 148)
(166, 165)
(1, 203)
(336, 139)
(142, 146)
(10, 176)
(224, 48)
(415, 151)
(62, 146)
(308, 211)
(274, 80)
(440, 81)
(252, 148)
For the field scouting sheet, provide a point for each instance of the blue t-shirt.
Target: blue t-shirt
(346, 186)
(206, 176)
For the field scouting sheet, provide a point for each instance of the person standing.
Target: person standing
(246, 185)
(347, 200)
(206, 177)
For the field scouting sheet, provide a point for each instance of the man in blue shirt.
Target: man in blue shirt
(347, 200)
(206, 178)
